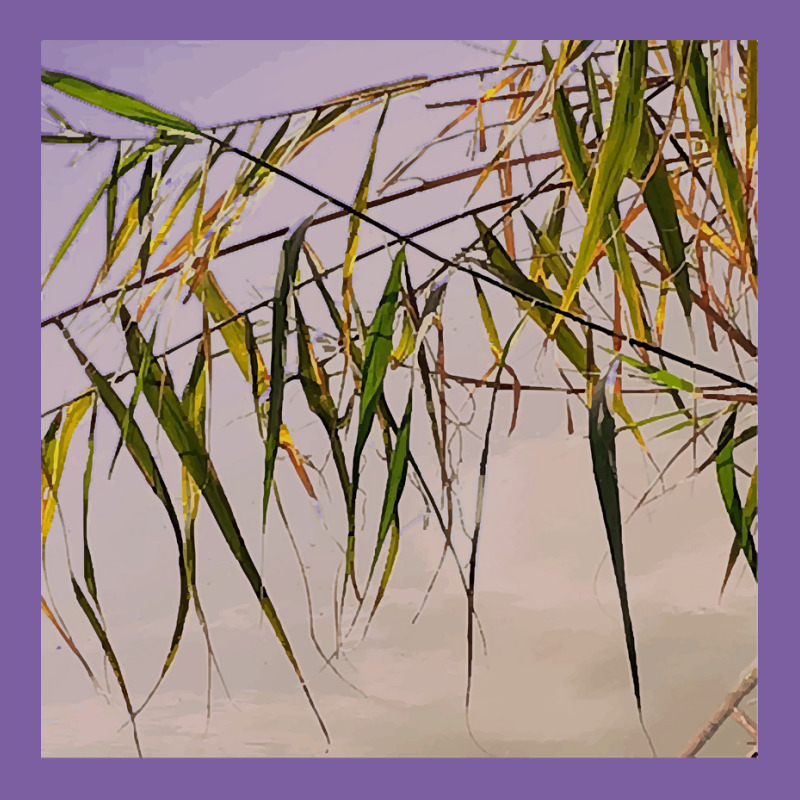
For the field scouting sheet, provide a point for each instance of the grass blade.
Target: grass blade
(604, 464)
(615, 159)
(54, 455)
(726, 478)
(377, 352)
(398, 468)
(108, 650)
(234, 332)
(123, 105)
(170, 414)
(360, 205)
(661, 376)
(287, 270)
(71, 644)
(88, 566)
(143, 457)
(111, 200)
(127, 164)
(661, 206)
(500, 265)
(137, 390)
(713, 129)
(749, 515)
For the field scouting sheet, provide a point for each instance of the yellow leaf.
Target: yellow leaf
(54, 460)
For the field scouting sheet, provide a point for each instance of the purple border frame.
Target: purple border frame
(390, 777)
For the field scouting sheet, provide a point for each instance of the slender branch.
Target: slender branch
(746, 722)
(747, 682)
(701, 302)
(473, 101)
(482, 384)
(424, 186)
(368, 93)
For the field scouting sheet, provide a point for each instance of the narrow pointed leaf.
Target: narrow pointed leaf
(88, 565)
(142, 455)
(407, 344)
(71, 644)
(109, 653)
(54, 454)
(287, 270)
(360, 205)
(615, 159)
(726, 478)
(111, 200)
(137, 390)
(127, 164)
(662, 209)
(604, 464)
(179, 430)
(377, 352)
(553, 261)
(713, 129)
(594, 99)
(660, 376)
(315, 387)
(398, 468)
(123, 105)
(501, 266)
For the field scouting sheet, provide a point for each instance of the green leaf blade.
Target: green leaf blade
(602, 442)
(119, 103)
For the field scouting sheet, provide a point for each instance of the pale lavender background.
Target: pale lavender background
(556, 681)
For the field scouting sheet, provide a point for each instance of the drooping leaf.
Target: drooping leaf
(660, 376)
(377, 352)
(751, 103)
(111, 200)
(109, 653)
(140, 451)
(54, 455)
(123, 105)
(748, 515)
(406, 345)
(233, 332)
(500, 265)
(315, 387)
(360, 205)
(221, 309)
(88, 565)
(615, 159)
(395, 482)
(133, 220)
(715, 133)
(244, 186)
(661, 206)
(127, 164)
(182, 434)
(552, 259)
(488, 320)
(137, 390)
(602, 442)
(578, 164)
(71, 644)
(594, 99)
(541, 101)
(290, 254)
(726, 478)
